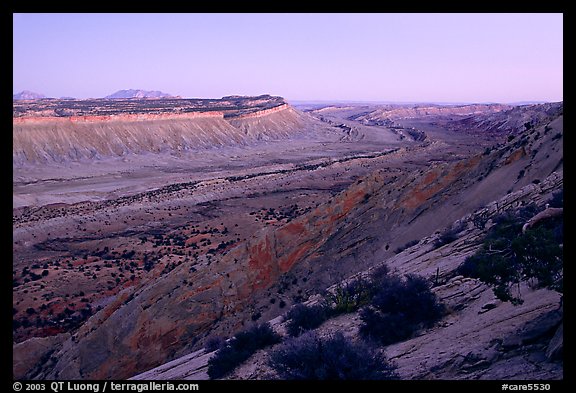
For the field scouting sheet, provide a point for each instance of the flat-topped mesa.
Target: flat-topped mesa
(51, 130)
(230, 106)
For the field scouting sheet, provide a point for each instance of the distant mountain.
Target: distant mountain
(27, 95)
(131, 93)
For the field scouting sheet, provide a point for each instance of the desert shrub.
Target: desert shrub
(540, 255)
(384, 328)
(350, 297)
(16, 324)
(494, 270)
(259, 336)
(225, 360)
(240, 348)
(345, 298)
(399, 308)
(214, 343)
(448, 235)
(379, 275)
(310, 357)
(302, 317)
(557, 199)
(509, 256)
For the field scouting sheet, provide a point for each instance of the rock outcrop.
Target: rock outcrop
(514, 120)
(400, 112)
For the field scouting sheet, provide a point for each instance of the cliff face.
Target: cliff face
(274, 123)
(42, 136)
(59, 140)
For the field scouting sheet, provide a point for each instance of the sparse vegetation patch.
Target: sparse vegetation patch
(509, 255)
(399, 308)
(310, 357)
(240, 348)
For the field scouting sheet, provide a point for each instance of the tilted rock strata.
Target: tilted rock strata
(141, 331)
(480, 338)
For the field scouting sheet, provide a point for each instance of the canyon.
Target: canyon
(141, 228)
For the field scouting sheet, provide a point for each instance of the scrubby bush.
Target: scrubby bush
(448, 235)
(557, 199)
(345, 298)
(310, 357)
(399, 308)
(379, 275)
(384, 328)
(350, 297)
(214, 343)
(509, 256)
(302, 318)
(240, 348)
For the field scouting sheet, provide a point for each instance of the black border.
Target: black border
(332, 7)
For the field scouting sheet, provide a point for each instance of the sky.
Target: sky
(301, 57)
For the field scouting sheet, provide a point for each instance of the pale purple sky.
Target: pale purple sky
(357, 57)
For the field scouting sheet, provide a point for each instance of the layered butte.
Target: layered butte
(63, 130)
